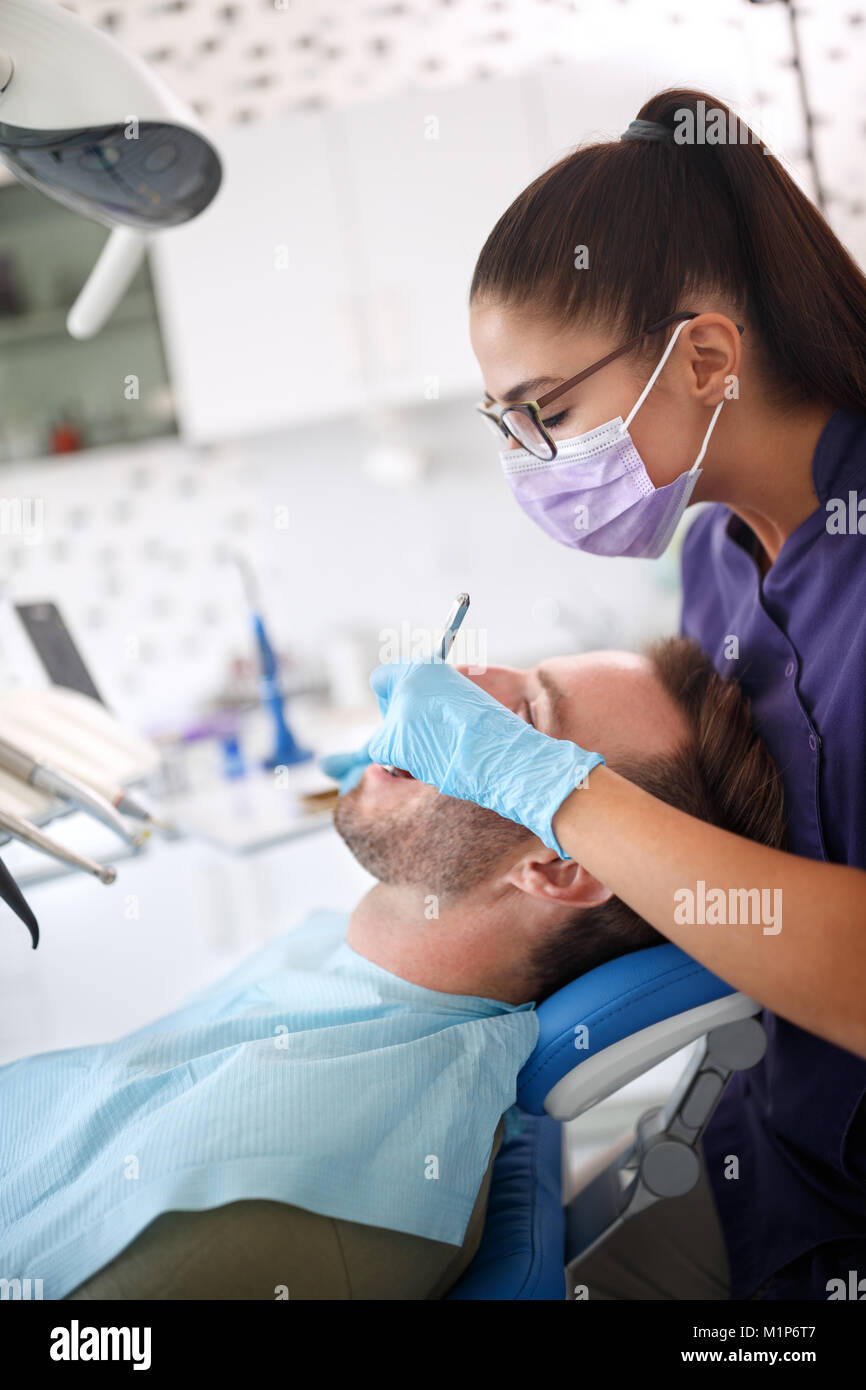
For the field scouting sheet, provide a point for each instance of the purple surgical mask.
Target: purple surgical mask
(596, 495)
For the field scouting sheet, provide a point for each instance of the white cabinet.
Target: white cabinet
(381, 210)
(256, 294)
(428, 176)
(332, 271)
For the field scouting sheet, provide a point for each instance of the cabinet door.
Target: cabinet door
(254, 294)
(428, 175)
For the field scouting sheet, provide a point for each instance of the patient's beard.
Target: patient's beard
(442, 844)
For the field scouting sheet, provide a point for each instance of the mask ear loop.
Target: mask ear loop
(652, 381)
(707, 437)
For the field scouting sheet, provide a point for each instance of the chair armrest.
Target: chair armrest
(605, 1072)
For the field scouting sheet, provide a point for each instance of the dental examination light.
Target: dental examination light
(92, 127)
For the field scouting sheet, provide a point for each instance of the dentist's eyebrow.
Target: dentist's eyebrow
(555, 698)
(527, 390)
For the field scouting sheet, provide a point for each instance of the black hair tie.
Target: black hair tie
(648, 130)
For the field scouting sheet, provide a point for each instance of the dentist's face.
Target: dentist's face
(522, 355)
(404, 831)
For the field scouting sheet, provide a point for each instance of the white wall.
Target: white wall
(135, 542)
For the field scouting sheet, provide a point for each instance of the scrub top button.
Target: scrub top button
(789, 669)
(813, 742)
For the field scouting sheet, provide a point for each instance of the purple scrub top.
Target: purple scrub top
(796, 1215)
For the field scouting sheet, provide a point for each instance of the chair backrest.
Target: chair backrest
(595, 1035)
(522, 1252)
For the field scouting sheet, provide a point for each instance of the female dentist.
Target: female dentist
(659, 321)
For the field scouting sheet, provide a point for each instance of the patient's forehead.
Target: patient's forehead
(615, 703)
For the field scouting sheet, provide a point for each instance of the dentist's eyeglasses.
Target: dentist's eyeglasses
(522, 422)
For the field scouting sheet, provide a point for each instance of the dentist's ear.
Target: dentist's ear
(712, 342)
(541, 874)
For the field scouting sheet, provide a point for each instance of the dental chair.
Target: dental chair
(595, 1035)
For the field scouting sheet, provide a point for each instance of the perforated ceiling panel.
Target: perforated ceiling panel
(241, 61)
(245, 60)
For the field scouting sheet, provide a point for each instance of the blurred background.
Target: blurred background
(289, 377)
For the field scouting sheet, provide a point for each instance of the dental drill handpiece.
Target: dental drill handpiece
(453, 623)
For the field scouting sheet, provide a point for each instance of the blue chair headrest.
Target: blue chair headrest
(611, 1002)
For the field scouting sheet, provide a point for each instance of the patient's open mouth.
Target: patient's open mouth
(385, 772)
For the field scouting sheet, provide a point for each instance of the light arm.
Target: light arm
(120, 258)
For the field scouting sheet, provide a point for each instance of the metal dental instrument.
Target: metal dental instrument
(453, 623)
(136, 807)
(46, 778)
(31, 835)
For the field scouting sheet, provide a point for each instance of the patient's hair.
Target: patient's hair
(723, 774)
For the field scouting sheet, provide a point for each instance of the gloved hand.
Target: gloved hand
(347, 769)
(444, 729)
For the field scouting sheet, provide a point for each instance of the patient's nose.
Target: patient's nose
(504, 683)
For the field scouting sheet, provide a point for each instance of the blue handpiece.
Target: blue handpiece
(286, 750)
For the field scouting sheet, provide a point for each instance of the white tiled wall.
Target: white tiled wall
(134, 549)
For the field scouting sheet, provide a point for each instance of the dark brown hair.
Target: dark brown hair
(665, 223)
(723, 774)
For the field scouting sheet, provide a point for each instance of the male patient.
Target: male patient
(323, 1122)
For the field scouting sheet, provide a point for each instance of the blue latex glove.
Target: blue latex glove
(347, 769)
(444, 729)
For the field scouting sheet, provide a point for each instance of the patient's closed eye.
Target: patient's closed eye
(524, 709)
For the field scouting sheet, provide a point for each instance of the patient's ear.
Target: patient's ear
(542, 874)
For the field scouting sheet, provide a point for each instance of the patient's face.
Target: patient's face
(405, 832)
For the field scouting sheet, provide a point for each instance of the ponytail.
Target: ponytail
(664, 222)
